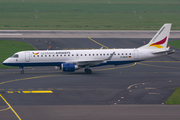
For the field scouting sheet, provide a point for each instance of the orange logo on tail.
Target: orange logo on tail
(158, 44)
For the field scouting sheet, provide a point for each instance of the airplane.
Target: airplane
(72, 60)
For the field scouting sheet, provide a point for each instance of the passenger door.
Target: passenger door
(135, 54)
(27, 56)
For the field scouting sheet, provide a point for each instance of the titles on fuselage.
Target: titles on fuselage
(43, 53)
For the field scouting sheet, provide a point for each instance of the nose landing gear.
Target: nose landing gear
(22, 70)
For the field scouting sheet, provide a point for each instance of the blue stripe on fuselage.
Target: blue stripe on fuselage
(34, 64)
(59, 63)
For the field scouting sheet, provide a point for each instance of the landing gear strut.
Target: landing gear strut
(22, 70)
(88, 71)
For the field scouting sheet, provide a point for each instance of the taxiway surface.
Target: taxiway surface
(96, 96)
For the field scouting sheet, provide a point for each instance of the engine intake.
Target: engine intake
(68, 67)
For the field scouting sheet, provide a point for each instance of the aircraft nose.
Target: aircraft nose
(5, 62)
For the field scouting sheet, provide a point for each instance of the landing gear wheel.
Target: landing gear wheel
(88, 71)
(22, 71)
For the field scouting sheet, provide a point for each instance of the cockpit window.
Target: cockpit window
(15, 56)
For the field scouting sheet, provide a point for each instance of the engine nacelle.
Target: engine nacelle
(68, 67)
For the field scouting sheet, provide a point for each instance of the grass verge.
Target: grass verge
(88, 14)
(175, 44)
(9, 47)
(174, 99)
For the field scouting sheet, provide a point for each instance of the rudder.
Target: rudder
(160, 40)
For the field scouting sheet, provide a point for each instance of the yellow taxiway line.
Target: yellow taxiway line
(157, 66)
(115, 67)
(98, 43)
(5, 109)
(10, 107)
(38, 91)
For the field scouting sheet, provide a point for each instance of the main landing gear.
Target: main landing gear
(22, 70)
(88, 71)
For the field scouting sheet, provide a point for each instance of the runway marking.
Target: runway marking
(10, 107)
(157, 66)
(115, 67)
(98, 43)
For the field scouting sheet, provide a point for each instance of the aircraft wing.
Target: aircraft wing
(91, 62)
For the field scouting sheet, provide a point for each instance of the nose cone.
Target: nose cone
(5, 62)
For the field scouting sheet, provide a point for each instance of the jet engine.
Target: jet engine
(68, 67)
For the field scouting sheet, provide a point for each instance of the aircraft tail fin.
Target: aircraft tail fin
(160, 40)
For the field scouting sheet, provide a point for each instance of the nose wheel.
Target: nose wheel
(22, 70)
(88, 71)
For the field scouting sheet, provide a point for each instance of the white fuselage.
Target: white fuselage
(57, 57)
(71, 60)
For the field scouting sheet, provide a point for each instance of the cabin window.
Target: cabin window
(49, 55)
(56, 55)
(37, 55)
(107, 54)
(89, 54)
(126, 53)
(72, 54)
(61, 55)
(122, 54)
(45, 55)
(34, 56)
(53, 55)
(118, 54)
(64, 55)
(41, 55)
(85, 54)
(68, 55)
(100, 54)
(93, 54)
(96, 54)
(129, 53)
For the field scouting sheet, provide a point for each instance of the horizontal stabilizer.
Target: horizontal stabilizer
(166, 51)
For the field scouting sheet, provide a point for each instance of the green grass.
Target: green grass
(8, 48)
(88, 14)
(175, 44)
(174, 99)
